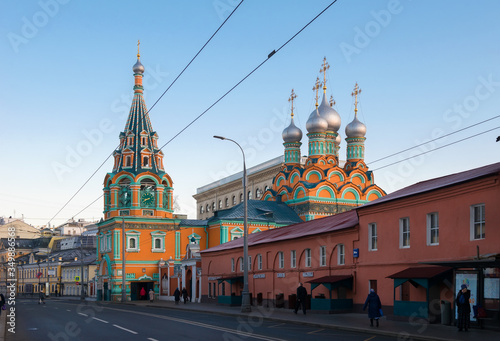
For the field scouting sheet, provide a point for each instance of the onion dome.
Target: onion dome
(331, 116)
(138, 67)
(316, 123)
(292, 133)
(356, 128)
(338, 140)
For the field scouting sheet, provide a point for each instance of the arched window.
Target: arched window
(266, 188)
(258, 193)
(220, 204)
(145, 161)
(249, 195)
(213, 206)
(234, 199)
(131, 243)
(202, 210)
(227, 202)
(241, 197)
(157, 243)
(128, 161)
(208, 208)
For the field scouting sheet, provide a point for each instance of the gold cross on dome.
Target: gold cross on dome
(332, 101)
(316, 87)
(138, 54)
(355, 93)
(323, 69)
(292, 97)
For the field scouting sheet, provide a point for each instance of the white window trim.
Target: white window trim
(241, 263)
(472, 222)
(259, 261)
(401, 233)
(293, 259)
(307, 258)
(340, 254)
(429, 235)
(322, 255)
(281, 260)
(136, 235)
(232, 265)
(370, 237)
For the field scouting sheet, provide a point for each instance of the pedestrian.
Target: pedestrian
(2, 302)
(184, 294)
(41, 297)
(301, 299)
(56, 293)
(151, 295)
(374, 307)
(177, 295)
(463, 307)
(142, 293)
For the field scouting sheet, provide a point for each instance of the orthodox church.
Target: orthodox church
(322, 186)
(142, 242)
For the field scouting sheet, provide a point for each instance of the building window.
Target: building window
(404, 232)
(258, 193)
(220, 204)
(202, 210)
(227, 202)
(241, 197)
(132, 243)
(478, 222)
(293, 259)
(232, 264)
(130, 141)
(281, 260)
(145, 161)
(208, 208)
(143, 141)
(432, 229)
(307, 258)
(213, 206)
(234, 199)
(259, 261)
(128, 161)
(372, 237)
(322, 256)
(249, 263)
(241, 263)
(158, 243)
(249, 195)
(340, 254)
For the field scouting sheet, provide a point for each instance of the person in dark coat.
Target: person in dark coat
(177, 295)
(41, 297)
(374, 306)
(184, 294)
(301, 299)
(463, 307)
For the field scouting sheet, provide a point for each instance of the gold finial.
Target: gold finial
(332, 101)
(292, 97)
(355, 93)
(138, 53)
(323, 69)
(316, 87)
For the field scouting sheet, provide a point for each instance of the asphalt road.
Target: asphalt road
(72, 320)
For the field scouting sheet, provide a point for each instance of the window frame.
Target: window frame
(372, 237)
(402, 232)
(293, 259)
(474, 222)
(281, 260)
(322, 255)
(430, 228)
(340, 254)
(307, 258)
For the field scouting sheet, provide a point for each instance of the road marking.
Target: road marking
(202, 325)
(95, 318)
(127, 330)
(68, 310)
(276, 325)
(83, 314)
(315, 331)
(151, 339)
(370, 338)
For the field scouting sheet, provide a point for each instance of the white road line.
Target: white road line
(276, 325)
(83, 314)
(151, 339)
(68, 310)
(315, 331)
(95, 318)
(128, 330)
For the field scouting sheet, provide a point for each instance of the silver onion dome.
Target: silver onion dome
(292, 133)
(356, 128)
(138, 67)
(316, 123)
(331, 116)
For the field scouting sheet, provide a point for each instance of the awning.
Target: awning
(419, 275)
(230, 280)
(332, 282)
(470, 263)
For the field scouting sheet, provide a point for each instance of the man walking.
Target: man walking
(301, 299)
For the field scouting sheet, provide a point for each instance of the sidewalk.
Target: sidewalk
(413, 330)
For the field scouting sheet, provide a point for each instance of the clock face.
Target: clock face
(147, 199)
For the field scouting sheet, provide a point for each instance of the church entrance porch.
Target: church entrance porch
(136, 287)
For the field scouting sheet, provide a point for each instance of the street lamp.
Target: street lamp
(245, 296)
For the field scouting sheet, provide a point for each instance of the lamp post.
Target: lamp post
(245, 296)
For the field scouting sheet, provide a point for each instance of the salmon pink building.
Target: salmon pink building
(415, 247)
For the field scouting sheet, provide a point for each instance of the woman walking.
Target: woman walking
(374, 307)
(463, 307)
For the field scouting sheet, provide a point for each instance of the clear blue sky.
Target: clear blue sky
(426, 68)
